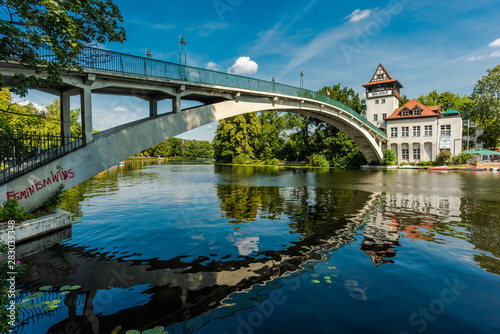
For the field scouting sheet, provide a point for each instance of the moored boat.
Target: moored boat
(408, 167)
(440, 168)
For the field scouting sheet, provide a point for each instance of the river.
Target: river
(203, 248)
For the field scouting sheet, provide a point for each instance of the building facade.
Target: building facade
(416, 132)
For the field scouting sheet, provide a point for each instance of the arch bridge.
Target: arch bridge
(222, 95)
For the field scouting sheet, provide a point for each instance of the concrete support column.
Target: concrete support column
(176, 104)
(65, 118)
(86, 114)
(153, 108)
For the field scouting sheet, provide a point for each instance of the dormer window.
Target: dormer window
(417, 112)
(405, 113)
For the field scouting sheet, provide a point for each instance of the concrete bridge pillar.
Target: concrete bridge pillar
(86, 114)
(65, 118)
(176, 103)
(153, 108)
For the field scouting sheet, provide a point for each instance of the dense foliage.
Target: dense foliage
(17, 118)
(181, 148)
(390, 157)
(485, 108)
(269, 136)
(60, 27)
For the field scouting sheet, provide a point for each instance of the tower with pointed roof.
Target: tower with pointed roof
(382, 96)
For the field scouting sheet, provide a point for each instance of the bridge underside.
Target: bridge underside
(107, 148)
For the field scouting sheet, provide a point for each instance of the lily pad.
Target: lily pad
(301, 251)
(50, 307)
(40, 304)
(314, 275)
(132, 331)
(34, 295)
(22, 304)
(53, 302)
(315, 281)
(45, 288)
(327, 277)
(66, 287)
(156, 330)
(332, 267)
(116, 330)
(328, 281)
(17, 291)
(283, 255)
(64, 293)
(306, 247)
(75, 287)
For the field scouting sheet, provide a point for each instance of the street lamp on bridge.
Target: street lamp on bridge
(182, 41)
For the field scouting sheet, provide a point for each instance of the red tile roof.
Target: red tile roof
(382, 82)
(413, 104)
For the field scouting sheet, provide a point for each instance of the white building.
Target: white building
(416, 132)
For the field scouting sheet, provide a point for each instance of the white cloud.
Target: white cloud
(495, 43)
(358, 15)
(162, 26)
(494, 54)
(33, 104)
(212, 66)
(138, 110)
(243, 66)
(120, 108)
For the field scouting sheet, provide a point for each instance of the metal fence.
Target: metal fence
(123, 63)
(24, 152)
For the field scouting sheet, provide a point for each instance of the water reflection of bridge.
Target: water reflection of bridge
(173, 291)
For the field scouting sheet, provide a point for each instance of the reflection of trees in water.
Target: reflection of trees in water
(483, 227)
(104, 183)
(306, 208)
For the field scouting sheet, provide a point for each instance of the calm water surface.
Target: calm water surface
(201, 248)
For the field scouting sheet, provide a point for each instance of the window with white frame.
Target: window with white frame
(405, 132)
(405, 153)
(417, 112)
(394, 132)
(405, 113)
(416, 154)
(375, 117)
(428, 130)
(383, 101)
(384, 116)
(446, 130)
(376, 101)
(416, 131)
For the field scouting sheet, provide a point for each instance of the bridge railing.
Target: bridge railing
(124, 63)
(24, 152)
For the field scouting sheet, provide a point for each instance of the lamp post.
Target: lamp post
(148, 53)
(182, 41)
(301, 79)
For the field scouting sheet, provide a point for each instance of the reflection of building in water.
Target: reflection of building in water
(404, 215)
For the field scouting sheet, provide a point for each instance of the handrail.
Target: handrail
(95, 58)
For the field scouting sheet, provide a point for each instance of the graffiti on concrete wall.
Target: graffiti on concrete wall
(57, 177)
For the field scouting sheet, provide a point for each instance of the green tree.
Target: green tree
(446, 100)
(347, 96)
(390, 157)
(403, 99)
(485, 109)
(236, 135)
(62, 28)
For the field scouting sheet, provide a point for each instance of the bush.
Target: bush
(241, 159)
(390, 157)
(11, 211)
(443, 158)
(273, 162)
(318, 160)
(425, 163)
(462, 158)
(52, 203)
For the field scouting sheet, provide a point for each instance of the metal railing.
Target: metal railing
(24, 152)
(123, 63)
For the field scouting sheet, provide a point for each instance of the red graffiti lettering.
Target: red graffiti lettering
(39, 185)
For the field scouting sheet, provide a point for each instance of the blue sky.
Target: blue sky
(426, 44)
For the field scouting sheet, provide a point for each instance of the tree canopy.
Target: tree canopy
(485, 109)
(61, 28)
